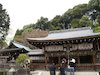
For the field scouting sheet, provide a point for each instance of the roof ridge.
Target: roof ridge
(69, 30)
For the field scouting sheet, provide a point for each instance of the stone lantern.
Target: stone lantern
(12, 70)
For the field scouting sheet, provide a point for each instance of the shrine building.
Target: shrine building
(82, 44)
(14, 49)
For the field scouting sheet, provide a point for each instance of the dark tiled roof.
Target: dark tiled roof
(67, 34)
(12, 49)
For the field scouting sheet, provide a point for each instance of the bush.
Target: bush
(21, 58)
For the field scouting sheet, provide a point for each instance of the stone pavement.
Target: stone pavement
(40, 72)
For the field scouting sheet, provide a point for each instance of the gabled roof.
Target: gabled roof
(67, 34)
(19, 45)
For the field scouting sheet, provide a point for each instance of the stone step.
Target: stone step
(84, 73)
(68, 73)
(36, 73)
(76, 73)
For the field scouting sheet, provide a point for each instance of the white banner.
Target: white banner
(54, 48)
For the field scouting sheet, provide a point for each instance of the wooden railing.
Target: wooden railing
(4, 66)
(91, 67)
(35, 66)
(82, 67)
(97, 66)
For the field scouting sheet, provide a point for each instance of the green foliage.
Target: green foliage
(55, 21)
(4, 23)
(98, 19)
(58, 28)
(3, 45)
(79, 10)
(42, 23)
(94, 4)
(75, 23)
(85, 22)
(51, 28)
(27, 30)
(96, 24)
(29, 26)
(19, 32)
(96, 29)
(21, 58)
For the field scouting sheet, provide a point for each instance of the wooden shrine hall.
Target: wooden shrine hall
(80, 43)
(13, 50)
(16, 48)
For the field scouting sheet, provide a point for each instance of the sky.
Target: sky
(24, 12)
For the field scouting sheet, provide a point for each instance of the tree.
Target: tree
(21, 58)
(55, 21)
(96, 29)
(42, 23)
(18, 32)
(98, 19)
(23, 61)
(66, 19)
(77, 12)
(75, 23)
(94, 4)
(33, 26)
(3, 45)
(4, 23)
(85, 22)
(27, 30)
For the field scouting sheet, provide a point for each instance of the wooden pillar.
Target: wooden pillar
(68, 54)
(98, 45)
(94, 58)
(46, 61)
(59, 60)
(78, 59)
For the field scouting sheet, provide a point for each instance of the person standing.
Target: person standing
(72, 65)
(52, 69)
(62, 69)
